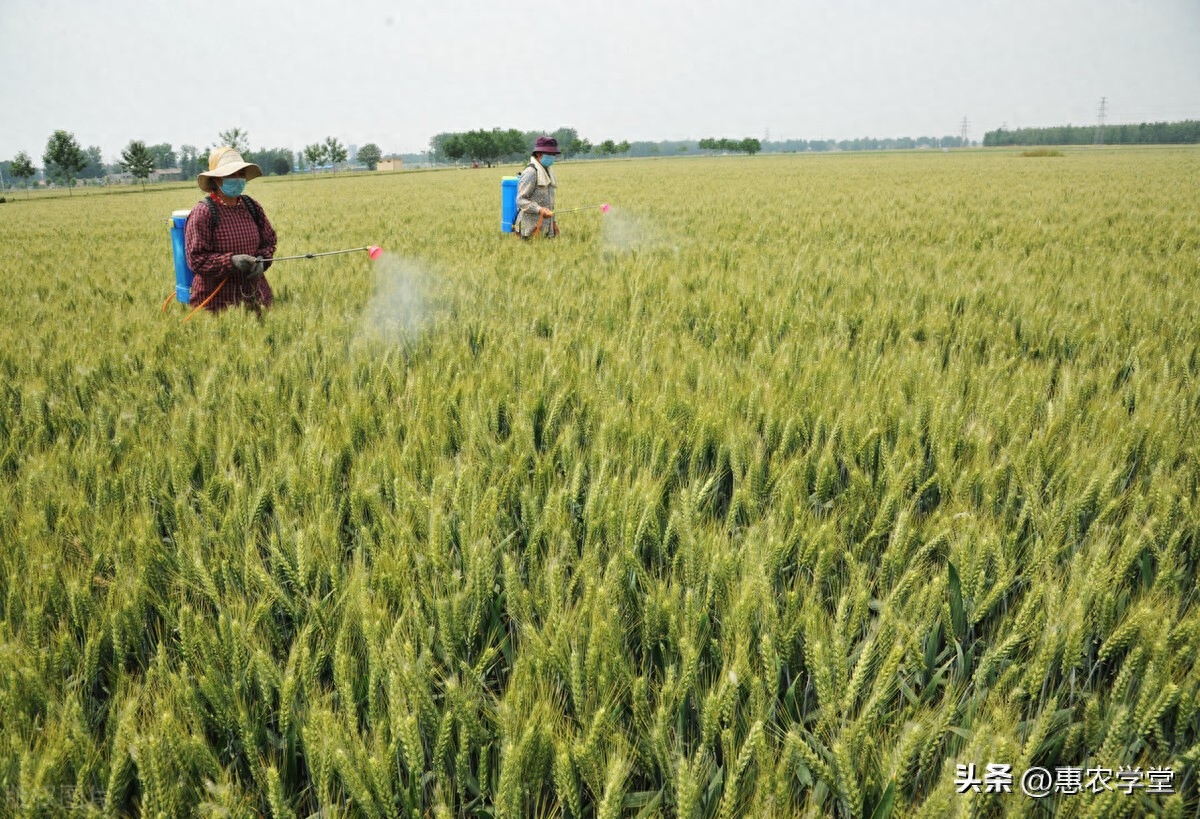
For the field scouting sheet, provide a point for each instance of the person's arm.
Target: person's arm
(526, 185)
(266, 240)
(202, 256)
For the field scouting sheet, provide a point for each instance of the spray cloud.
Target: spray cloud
(397, 308)
(622, 232)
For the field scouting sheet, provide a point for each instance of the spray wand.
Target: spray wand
(603, 207)
(374, 251)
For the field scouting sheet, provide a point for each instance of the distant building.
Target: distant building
(390, 164)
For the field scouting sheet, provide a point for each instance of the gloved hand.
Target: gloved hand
(244, 263)
(258, 268)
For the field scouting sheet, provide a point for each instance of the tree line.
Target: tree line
(489, 147)
(749, 145)
(65, 161)
(752, 145)
(1144, 133)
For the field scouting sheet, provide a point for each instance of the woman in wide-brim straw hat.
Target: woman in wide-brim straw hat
(535, 192)
(229, 240)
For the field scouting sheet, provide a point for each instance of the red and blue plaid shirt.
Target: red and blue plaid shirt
(210, 254)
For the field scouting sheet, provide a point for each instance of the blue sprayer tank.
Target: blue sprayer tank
(183, 273)
(508, 203)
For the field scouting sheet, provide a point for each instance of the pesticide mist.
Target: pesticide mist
(622, 232)
(397, 307)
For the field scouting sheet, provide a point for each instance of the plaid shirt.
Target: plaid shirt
(210, 255)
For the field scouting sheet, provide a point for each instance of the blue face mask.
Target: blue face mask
(547, 160)
(233, 187)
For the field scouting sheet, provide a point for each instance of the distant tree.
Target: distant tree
(581, 147)
(488, 146)
(94, 169)
(567, 139)
(314, 155)
(606, 148)
(235, 138)
(480, 146)
(164, 155)
(370, 155)
(189, 160)
(335, 152)
(512, 143)
(437, 146)
(63, 158)
(271, 160)
(622, 147)
(22, 168)
(749, 145)
(454, 147)
(138, 160)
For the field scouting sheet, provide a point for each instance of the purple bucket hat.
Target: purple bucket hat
(546, 145)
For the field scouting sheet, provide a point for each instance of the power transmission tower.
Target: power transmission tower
(965, 135)
(1099, 138)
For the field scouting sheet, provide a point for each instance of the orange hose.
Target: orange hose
(206, 301)
(168, 301)
(538, 227)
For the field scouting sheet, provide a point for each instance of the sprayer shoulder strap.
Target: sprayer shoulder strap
(256, 212)
(252, 207)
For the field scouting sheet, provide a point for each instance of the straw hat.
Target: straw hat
(223, 162)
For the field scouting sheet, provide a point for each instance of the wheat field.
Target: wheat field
(785, 488)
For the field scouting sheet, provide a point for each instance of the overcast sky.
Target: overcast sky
(291, 72)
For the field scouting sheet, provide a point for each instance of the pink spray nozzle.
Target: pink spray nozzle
(604, 208)
(374, 251)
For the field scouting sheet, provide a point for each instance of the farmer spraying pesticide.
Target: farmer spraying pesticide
(527, 201)
(535, 192)
(229, 240)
